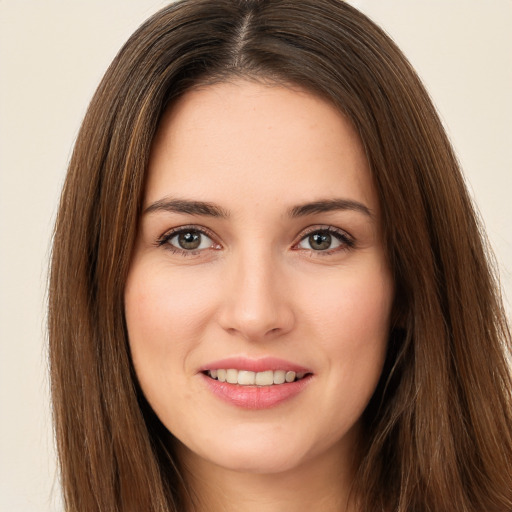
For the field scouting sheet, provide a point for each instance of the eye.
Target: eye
(190, 240)
(325, 240)
(187, 241)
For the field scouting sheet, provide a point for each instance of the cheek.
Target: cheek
(159, 303)
(166, 314)
(354, 305)
(351, 320)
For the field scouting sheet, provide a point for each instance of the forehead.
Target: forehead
(267, 143)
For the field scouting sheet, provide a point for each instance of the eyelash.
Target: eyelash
(346, 241)
(164, 240)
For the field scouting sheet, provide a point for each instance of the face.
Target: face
(259, 296)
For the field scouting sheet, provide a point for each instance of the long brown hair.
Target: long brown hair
(439, 427)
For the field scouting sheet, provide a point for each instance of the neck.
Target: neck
(321, 484)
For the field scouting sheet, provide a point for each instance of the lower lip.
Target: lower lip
(256, 397)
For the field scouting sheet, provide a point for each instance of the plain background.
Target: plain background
(52, 56)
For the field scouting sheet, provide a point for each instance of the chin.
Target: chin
(258, 461)
(250, 452)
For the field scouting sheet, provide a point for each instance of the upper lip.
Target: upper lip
(255, 365)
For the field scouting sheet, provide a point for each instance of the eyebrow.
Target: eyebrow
(203, 208)
(329, 205)
(188, 207)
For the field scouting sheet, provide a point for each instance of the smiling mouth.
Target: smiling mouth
(248, 378)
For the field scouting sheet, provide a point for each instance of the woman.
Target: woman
(269, 289)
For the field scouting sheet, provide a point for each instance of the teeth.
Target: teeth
(247, 378)
(290, 376)
(279, 377)
(265, 378)
(232, 376)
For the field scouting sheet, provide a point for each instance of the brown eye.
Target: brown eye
(190, 240)
(320, 241)
(325, 240)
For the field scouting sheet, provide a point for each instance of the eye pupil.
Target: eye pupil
(320, 241)
(189, 240)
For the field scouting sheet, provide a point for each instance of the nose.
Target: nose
(256, 302)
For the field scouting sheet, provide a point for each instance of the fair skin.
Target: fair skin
(259, 249)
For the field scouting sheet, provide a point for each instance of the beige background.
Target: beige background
(52, 55)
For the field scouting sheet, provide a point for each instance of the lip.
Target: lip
(255, 365)
(255, 397)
